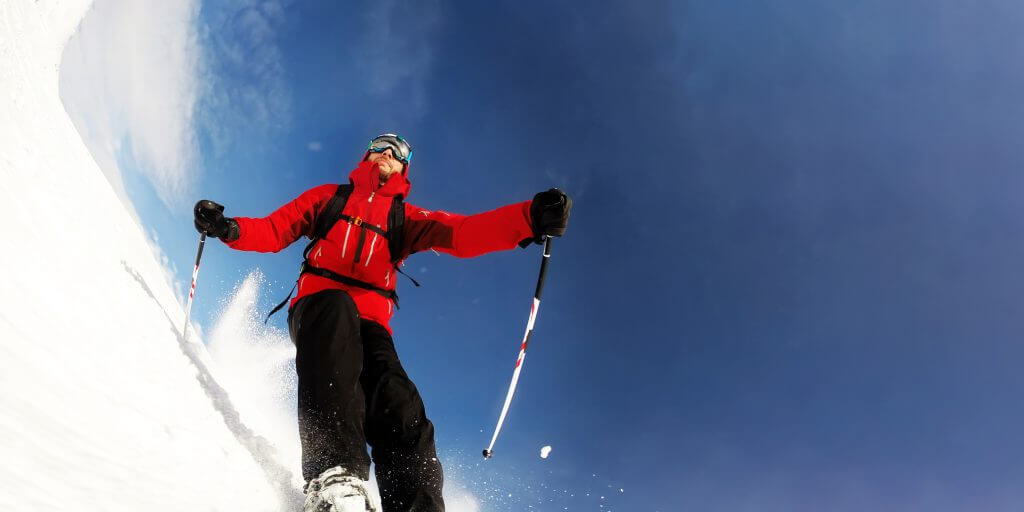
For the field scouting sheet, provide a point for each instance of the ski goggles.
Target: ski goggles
(400, 149)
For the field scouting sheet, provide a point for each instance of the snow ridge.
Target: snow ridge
(103, 404)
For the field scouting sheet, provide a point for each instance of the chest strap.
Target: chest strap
(356, 221)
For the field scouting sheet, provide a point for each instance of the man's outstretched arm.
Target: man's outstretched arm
(500, 229)
(266, 234)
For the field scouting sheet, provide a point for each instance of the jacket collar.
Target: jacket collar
(366, 179)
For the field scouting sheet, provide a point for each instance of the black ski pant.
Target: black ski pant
(353, 392)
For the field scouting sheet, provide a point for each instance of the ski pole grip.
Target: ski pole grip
(543, 267)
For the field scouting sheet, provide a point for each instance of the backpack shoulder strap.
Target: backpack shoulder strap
(326, 219)
(332, 212)
(396, 228)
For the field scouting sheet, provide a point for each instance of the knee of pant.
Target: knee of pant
(397, 415)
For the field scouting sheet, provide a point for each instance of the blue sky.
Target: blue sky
(791, 280)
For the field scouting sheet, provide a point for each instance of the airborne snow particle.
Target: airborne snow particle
(544, 452)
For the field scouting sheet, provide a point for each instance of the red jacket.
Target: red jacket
(460, 235)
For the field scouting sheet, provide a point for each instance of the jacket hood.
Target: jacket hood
(366, 178)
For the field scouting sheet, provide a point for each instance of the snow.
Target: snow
(103, 405)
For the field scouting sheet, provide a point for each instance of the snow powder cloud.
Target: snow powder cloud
(130, 82)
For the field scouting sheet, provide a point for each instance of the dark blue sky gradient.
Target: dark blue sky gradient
(791, 281)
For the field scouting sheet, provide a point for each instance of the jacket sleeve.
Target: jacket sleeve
(289, 222)
(466, 236)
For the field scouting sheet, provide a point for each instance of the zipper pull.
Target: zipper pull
(371, 197)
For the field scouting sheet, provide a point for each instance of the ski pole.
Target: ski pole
(192, 290)
(522, 350)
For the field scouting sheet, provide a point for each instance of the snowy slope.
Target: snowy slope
(103, 405)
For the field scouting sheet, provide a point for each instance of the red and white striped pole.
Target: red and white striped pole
(522, 349)
(192, 290)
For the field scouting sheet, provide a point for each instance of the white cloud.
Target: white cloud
(141, 80)
(244, 82)
(398, 49)
(129, 80)
(315, 145)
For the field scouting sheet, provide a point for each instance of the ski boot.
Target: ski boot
(337, 490)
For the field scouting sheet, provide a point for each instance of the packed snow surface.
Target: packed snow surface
(103, 404)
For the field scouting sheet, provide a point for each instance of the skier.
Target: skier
(352, 389)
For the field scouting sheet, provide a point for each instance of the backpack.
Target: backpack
(323, 224)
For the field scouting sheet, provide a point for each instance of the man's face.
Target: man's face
(387, 163)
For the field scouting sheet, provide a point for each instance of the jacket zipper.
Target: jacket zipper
(362, 239)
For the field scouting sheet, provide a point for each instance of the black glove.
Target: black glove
(550, 215)
(210, 219)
